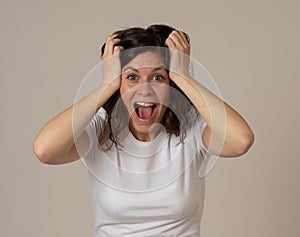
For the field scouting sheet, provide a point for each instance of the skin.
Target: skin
(55, 143)
(63, 139)
(227, 133)
(145, 84)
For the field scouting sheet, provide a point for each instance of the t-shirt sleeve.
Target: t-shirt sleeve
(208, 159)
(93, 130)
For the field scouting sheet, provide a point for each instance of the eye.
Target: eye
(158, 77)
(131, 77)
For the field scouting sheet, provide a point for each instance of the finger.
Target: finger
(113, 36)
(105, 44)
(184, 39)
(109, 46)
(170, 43)
(108, 39)
(117, 49)
(184, 44)
(175, 36)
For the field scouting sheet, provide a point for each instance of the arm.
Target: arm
(55, 143)
(227, 134)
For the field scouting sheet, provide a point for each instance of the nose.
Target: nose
(145, 89)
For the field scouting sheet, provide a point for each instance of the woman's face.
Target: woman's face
(145, 92)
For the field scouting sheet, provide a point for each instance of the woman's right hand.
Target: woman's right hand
(111, 66)
(55, 143)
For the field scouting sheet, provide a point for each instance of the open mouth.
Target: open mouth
(144, 110)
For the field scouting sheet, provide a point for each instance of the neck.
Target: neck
(147, 136)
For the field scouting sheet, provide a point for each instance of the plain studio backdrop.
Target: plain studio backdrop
(250, 47)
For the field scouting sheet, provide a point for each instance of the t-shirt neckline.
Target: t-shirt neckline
(137, 148)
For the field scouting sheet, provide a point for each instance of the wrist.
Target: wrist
(175, 76)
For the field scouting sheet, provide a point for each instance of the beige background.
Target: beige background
(250, 47)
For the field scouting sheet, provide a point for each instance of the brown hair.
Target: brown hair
(137, 39)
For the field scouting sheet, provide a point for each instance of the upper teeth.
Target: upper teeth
(145, 104)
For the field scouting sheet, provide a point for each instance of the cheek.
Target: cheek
(166, 96)
(126, 94)
(126, 87)
(124, 91)
(163, 94)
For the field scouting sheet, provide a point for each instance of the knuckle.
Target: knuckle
(116, 49)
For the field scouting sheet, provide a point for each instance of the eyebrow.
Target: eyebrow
(136, 70)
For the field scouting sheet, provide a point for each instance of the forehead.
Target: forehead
(146, 59)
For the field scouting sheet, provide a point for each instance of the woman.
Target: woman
(153, 127)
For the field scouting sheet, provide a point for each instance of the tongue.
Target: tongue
(145, 112)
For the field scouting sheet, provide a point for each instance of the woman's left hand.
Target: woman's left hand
(227, 134)
(179, 53)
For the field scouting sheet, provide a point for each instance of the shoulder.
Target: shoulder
(98, 119)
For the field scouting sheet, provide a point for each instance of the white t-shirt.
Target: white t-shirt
(151, 188)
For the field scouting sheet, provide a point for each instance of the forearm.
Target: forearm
(59, 134)
(229, 132)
